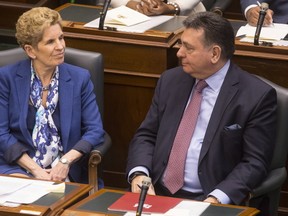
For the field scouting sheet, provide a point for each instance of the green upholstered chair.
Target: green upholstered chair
(266, 196)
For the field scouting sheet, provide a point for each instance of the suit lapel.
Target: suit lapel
(65, 102)
(228, 91)
(23, 80)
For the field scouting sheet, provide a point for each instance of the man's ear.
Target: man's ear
(216, 54)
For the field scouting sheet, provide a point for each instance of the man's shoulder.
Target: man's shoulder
(249, 80)
(175, 72)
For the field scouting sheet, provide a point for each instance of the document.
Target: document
(273, 33)
(153, 204)
(124, 16)
(21, 190)
(188, 208)
(140, 24)
(9, 185)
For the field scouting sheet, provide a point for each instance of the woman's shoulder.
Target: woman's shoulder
(73, 68)
(74, 71)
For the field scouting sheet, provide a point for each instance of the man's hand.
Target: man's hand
(138, 181)
(212, 199)
(253, 16)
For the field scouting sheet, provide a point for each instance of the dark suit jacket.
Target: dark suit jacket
(79, 116)
(280, 8)
(232, 160)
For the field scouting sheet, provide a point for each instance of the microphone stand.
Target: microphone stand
(262, 14)
(144, 189)
(103, 14)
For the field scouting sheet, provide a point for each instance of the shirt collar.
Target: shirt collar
(215, 81)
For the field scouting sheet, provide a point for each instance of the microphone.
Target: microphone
(262, 13)
(103, 14)
(144, 188)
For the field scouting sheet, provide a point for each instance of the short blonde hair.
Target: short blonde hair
(31, 25)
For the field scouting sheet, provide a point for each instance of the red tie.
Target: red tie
(174, 174)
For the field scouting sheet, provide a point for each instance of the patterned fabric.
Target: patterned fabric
(174, 174)
(45, 134)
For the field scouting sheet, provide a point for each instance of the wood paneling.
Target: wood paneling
(234, 11)
(12, 9)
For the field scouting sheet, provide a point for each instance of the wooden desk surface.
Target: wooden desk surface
(98, 203)
(52, 203)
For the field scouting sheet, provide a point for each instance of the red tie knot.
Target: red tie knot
(201, 85)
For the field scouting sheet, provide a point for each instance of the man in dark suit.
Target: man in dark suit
(277, 12)
(232, 144)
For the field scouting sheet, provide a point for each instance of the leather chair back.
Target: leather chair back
(266, 196)
(281, 146)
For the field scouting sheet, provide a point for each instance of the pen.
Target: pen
(258, 3)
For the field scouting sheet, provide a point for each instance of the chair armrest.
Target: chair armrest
(95, 159)
(103, 147)
(274, 180)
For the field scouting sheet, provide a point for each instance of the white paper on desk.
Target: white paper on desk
(138, 28)
(188, 208)
(275, 32)
(274, 42)
(9, 185)
(28, 194)
(124, 16)
(184, 208)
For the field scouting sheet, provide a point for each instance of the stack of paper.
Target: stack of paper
(124, 16)
(23, 191)
(273, 33)
(128, 20)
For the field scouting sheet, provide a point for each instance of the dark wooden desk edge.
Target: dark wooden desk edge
(249, 211)
(70, 199)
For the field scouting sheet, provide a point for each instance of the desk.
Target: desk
(52, 203)
(98, 203)
(268, 62)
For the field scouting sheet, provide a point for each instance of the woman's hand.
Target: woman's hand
(59, 172)
(42, 174)
(32, 167)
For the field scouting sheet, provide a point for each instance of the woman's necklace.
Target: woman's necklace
(46, 88)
